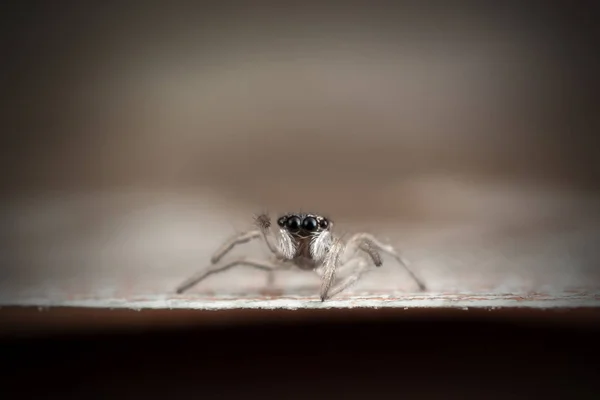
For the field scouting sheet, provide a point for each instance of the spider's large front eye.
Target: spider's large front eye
(293, 224)
(310, 224)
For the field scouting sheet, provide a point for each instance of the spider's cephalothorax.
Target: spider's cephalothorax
(306, 241)
(304, 238)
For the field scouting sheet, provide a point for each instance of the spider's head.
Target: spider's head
(304, 225)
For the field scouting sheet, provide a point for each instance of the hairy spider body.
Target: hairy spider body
(305, 240)
(300, 242)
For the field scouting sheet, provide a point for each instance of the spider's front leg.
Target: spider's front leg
(213, 269)
(234, 241)
(370, 245)
(263, 223)
(328, 290)
(331, 262)
(283, 249)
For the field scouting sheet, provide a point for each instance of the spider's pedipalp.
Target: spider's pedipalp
(320, 244)
(286, 244)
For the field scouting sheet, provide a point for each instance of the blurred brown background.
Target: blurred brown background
(137, 137)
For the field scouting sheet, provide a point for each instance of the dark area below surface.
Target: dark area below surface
(354, 355)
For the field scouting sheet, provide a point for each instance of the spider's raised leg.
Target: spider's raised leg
(263, 223)
(369, 244)
(213, 269)
(284, 249)
(234, 241)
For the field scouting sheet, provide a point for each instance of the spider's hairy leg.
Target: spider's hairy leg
(234, 241)
(371, 245)
(330, 265)
(361, 267)
(213, 269)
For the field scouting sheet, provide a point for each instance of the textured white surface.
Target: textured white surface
(443, 300)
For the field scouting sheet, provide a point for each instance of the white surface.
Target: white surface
(462, 301)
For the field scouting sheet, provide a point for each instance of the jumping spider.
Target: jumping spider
(306, 241)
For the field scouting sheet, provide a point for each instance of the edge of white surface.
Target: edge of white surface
(454, 301)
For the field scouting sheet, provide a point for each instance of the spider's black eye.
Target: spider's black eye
(281, 222)
(293, 223)
(324, 223)
(310, 224)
